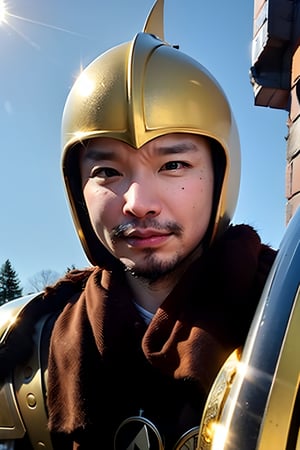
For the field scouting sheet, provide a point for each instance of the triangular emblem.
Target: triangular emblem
(141, 440)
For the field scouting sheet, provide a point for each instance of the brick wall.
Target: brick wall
(293, 143)
(276, 77)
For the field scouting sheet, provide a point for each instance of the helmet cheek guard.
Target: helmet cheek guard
(139, 91)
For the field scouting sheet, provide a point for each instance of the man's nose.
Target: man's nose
(141, 199)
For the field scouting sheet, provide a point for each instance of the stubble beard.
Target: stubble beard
(152, 269)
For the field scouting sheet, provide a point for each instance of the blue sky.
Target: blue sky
(43, 45)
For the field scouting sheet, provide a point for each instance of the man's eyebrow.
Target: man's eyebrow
(177, 148)
(92, 154)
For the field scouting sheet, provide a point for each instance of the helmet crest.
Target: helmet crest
(155, 20)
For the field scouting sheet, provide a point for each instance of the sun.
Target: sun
(3, 11)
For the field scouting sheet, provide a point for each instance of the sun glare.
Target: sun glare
(2, 11)
(7, 18)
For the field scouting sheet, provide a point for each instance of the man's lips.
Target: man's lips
(150, 233)
(145, 237)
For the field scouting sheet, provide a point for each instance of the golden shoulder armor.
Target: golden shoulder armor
(22, 396)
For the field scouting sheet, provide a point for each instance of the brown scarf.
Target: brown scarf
(205, 317)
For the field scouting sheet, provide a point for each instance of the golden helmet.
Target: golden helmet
(138, 91)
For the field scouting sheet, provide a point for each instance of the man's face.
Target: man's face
(149, 207)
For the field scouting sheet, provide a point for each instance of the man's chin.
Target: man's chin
(153, 271)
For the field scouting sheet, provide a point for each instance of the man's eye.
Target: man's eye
(173, 165)
(104, 172)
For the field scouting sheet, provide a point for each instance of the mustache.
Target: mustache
(122, 230)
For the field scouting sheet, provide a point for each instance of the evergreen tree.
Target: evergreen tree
(9, 283)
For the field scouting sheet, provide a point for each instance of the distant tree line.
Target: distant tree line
(10, 284)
